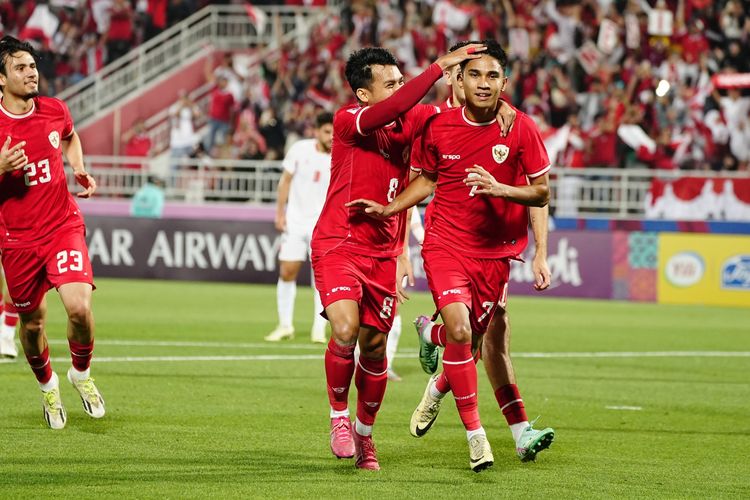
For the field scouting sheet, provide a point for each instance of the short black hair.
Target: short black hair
(493, 50)
(358, 70)
(462, 43)
(9, 46)
(323, 118)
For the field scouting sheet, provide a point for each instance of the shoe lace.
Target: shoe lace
(89, 389)
(341, 429)
(477, 446)
(52, 399)
(367, 446)
(432, 407)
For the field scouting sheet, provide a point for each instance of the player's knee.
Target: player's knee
(79, 314)
(374, 348)
(287, 274)
(459, 333)
(344, 331)
(32, 328)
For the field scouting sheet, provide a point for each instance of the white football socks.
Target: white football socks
(392, 344)
(286, 292)
(517, 429)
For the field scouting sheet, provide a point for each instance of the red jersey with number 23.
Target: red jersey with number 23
(478, 225)
(34, 200)
(373, 166)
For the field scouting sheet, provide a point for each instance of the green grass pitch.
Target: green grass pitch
(257, 425)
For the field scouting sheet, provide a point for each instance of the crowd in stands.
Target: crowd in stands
(611, 83)
(75, 38)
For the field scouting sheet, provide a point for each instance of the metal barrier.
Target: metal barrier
(607, 193)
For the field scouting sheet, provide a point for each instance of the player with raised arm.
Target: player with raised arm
(477, 221)
(354, 257)
(301, 194)
(495, 347)
(43, 242)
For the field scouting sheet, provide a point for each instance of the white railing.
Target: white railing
(225, 27)
(606, 193)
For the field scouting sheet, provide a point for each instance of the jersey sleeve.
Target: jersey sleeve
(428, 153)
(375, 116)
(67, 121)
(534, 158)
(291, 159)
(417, 119)
(345, 122)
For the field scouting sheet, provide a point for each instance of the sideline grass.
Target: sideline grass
(258, 428)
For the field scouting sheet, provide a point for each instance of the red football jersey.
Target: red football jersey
(375, 167)
(34, 201)
(479, 225)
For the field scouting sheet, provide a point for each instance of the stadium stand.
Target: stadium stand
(629, 94)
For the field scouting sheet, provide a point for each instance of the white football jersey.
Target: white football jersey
(311, 171)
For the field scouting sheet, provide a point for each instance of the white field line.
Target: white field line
(407, 352)
(307, 357)
(624, 408)
(152, 359)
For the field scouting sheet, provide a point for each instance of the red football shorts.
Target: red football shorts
(369, 281)
(30, 272)
(478, 283)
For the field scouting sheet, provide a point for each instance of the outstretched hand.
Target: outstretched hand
(369, 207)
(88, 183)
(12, 158)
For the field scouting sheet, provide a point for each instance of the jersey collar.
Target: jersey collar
(15, 116)
(475, 124)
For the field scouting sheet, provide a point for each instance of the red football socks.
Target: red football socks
(81, 355)
(41, 366)
(511, 404)
(438, 335)
(371, 379)
(339, 363)
(461, 372)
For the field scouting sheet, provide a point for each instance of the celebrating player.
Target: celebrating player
(301, 194)
(495, 343)
(355, 257)
(43, 231)
(477, 221)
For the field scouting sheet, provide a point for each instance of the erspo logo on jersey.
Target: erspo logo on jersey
(735, 273)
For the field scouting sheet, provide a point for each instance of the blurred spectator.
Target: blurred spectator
(220, 112)
(137, 143)
(120, 32)
(182, 136)
(148, 201)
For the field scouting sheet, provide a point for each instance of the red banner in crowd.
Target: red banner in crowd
(696, 198)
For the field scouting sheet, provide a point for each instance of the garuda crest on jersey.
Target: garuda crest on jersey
(500, 152)
(54, 139)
